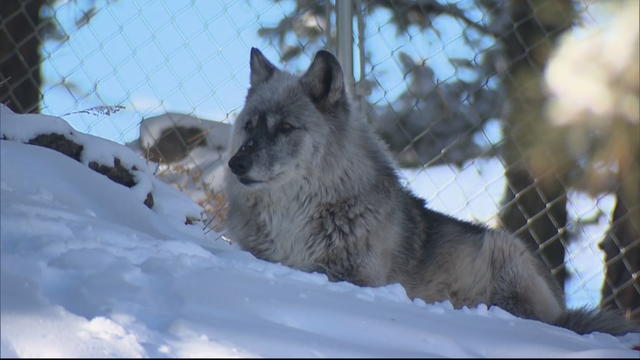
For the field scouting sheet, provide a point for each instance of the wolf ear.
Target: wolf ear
(261, 68)
(323, 81)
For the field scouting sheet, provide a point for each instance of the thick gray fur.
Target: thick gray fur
(310, 186)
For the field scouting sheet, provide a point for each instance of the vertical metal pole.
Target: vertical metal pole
(327, 29)
(361, 30)
(344, 30)
(362, 91)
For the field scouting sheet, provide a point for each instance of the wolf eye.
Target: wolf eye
(285, 127)
(248, 126)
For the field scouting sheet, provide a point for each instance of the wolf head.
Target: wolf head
(287, 120)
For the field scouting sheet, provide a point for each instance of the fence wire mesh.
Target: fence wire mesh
(479, 102)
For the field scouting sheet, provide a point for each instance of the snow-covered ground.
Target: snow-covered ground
(87, 270)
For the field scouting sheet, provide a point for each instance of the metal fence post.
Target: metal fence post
(344, 29)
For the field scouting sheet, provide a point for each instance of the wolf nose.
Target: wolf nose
(240, 165)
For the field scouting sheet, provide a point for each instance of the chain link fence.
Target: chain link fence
(491, 111)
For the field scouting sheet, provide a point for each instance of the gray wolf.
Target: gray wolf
(310, 186)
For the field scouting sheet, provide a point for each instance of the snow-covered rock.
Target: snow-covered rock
(190, 154)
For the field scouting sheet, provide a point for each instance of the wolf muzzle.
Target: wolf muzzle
(241, 162)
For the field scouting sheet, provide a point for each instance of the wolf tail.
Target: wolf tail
(584, 320)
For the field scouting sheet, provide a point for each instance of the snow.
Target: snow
(87, 270)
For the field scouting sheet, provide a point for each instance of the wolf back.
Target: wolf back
(309, 185)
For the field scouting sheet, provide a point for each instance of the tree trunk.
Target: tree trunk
(20, 40)
(622, 243)
(535, 198)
